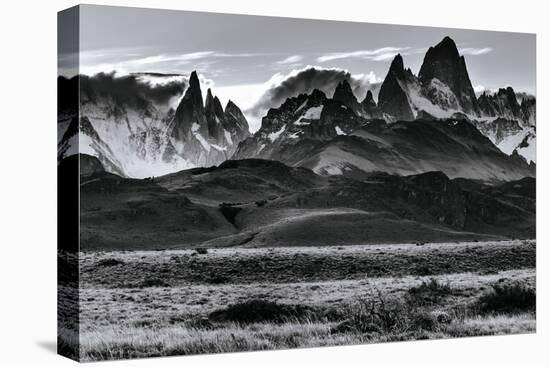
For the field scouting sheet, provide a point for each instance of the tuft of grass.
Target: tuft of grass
(258, 310)
(515, 297)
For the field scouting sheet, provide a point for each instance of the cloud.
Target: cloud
(479, 89)
(475, 51)
(290, 60)
(180, 59)
(282, 86)
(367, 79)
(103, 61)
(379, 54)
(136, 91)
(157, 79)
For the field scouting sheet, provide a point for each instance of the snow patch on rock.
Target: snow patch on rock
(339, 131)
(275, 135)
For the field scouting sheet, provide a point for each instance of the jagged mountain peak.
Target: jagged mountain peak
(445, 48)
(236, 120)
(230, 105)
(443, 65)
(194, 91)
(369, 99)
(317, 94)
(209, 101)
(206, 134)
(344, 94)
(194, 80)
(397, 67)
(508, 92)
(344, 84)
(393, 99)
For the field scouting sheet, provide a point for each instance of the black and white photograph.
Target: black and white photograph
(232, 183)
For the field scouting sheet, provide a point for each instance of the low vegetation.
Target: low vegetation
(109, 262)
(201, 251)
(257, 310)
(182, 303)
(287, 265)
(429, 293)
(515, 297)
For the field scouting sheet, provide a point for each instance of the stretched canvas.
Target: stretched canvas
(234, 183)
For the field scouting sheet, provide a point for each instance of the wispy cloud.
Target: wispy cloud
(93, 62)
(290, 60)
(379, 54)
(475, 51)
(180, 59)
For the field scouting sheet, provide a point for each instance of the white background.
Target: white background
(28, 69)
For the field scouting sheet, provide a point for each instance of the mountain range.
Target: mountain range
(139, 130)
(432, 122)
(427, 161)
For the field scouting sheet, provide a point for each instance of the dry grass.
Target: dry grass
(131, 318)
(284, 265)
(125, 342)
(493, 325)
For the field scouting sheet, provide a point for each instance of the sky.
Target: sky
(243, 57)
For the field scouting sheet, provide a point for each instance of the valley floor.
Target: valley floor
(155, 303)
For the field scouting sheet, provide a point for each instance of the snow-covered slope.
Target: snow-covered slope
(134, 126)
(326, 136)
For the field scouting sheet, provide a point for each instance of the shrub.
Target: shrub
(387, 316)
(423, 270)
(109, 262)
(258, 310)
(201, 251)
(153, 282)
(512, 297)
(430, 292)
(216, 279)
(370, 314)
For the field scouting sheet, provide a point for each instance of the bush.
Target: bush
(201, 251)
(216, 279)
(369, 314)
(258, 310)
(153, 282)
(109, 262)
(388, 316)
(423, 270)
(513, 297)
(427, 293)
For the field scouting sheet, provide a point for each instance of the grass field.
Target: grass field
(154, 303)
